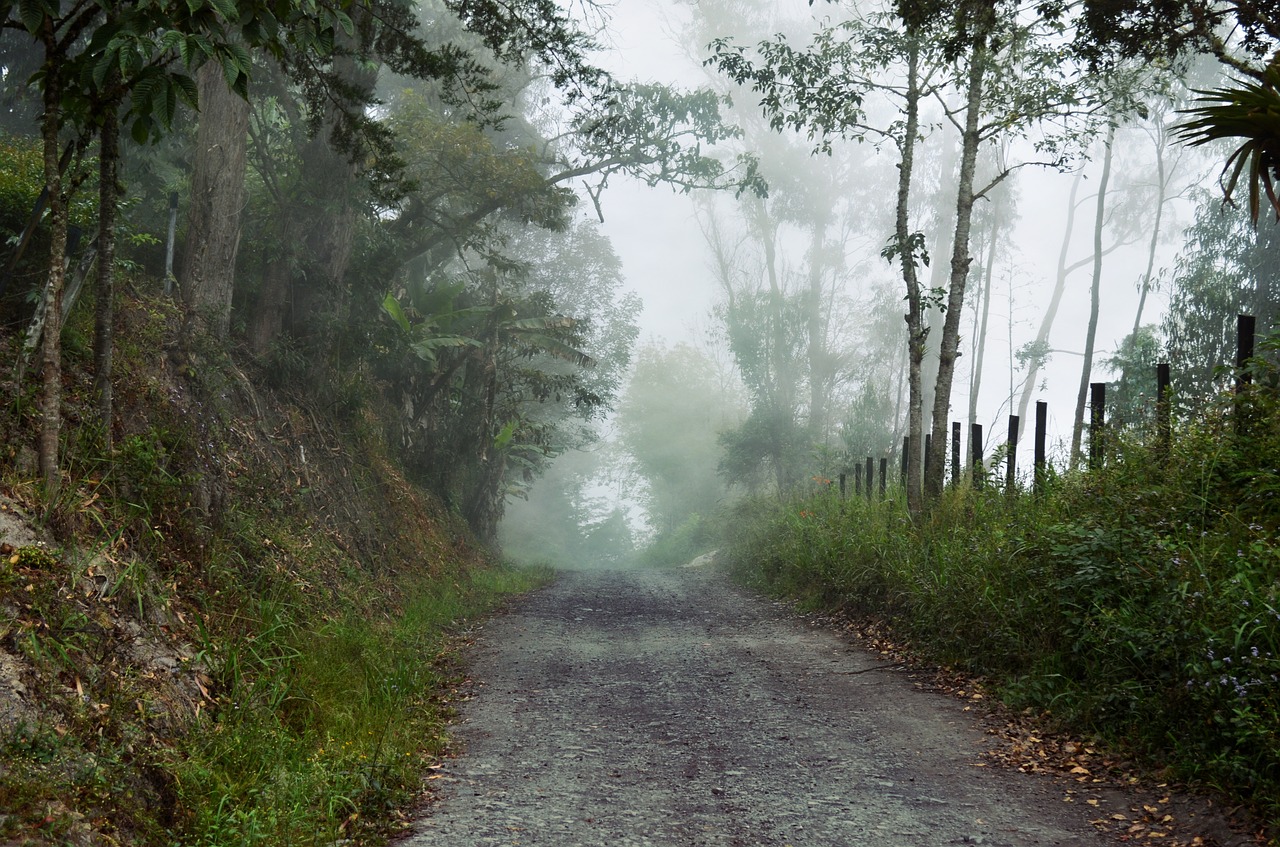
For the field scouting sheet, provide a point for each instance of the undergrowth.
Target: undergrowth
(243, 633)
(317, 727)
(1139, 602)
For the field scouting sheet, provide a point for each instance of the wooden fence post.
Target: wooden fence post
(1164, 428)
(928, 449)
(842, 484)
(1244, 352)
(1245, 325)
(884, 476)
(871, 474)
(975, 452)
(906, 457)
(1042, 426)
(1097, 422)
(857, 479)
(1011, 470)
(955, 453)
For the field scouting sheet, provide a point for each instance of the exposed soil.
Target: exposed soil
(670, 708)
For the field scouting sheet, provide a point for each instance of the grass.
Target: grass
(235, 644)
(319, 729)
(1139, 603)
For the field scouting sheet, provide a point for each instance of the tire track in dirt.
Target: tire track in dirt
(647, 708)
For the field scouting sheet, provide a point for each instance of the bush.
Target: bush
(1140, 602)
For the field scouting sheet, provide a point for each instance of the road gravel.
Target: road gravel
(647, 708)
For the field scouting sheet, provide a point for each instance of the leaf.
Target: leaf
(503, 438)
(33, 13)
(391, 307)
(187, 90)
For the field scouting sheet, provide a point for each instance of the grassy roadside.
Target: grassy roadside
(236, 627)
(1140, 603)
(320, 729)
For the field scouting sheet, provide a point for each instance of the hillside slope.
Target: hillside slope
(231, 628)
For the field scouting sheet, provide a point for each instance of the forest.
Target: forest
(312, 314)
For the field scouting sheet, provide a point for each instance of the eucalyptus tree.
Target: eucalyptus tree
(1013, 80)
(820, 91)
(1227, 265)
(1242, 37)
(670, 418)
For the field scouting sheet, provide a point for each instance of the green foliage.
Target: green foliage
(1140, 602)
(681, 545)
(1247, 112)
(1229, 266)
(673, 412)
(1131, 398)
(315, 727)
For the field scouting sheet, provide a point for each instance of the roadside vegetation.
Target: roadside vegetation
(275, 672)
(1138, 603)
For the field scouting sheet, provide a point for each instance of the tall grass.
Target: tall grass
(315, 727)
(1140, 602)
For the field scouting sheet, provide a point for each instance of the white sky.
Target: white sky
(666, 261)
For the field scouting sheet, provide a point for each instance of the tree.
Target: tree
(821, 90)
(1095, 289)
(207, 275)
(1227, 266)
(674, 410)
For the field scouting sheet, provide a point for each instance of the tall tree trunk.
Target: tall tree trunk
(917, 333)
(1161, 191)
(781, 386)
(1095, 291)
(51, 347)
(818, 353)
(207, 277)
(330, 184)
(980, 341)
(1037, 358)
(943, 228)
(949, 349)
(104, 307)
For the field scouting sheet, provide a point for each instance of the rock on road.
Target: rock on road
(646, 708)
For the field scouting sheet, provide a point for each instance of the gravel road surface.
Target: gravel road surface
(646, 708)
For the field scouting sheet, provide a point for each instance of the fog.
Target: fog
(667, 243)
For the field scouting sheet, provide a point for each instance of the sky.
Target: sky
(665, 259)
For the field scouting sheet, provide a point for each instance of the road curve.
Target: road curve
(647, 708)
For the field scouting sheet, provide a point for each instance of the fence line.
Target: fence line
(1245, 333)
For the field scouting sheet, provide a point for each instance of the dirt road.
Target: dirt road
(670, 708)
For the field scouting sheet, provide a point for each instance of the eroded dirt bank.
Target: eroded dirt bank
(669, 708)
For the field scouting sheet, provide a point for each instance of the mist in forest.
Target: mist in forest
(605, 273)
(773, 350)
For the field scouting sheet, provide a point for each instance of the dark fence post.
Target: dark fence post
(884, 476)
(871, 475)
(1042, 426)
(842, 484)
(857, 479)
(955, 453)
(975, 452)
(906, 457)
(1244, 352)
(1244, 349)
(1097, 421)
(1164, 429)
(1011, 471)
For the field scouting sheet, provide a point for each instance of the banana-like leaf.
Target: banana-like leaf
(503, 438)
(426, 348)
(391, 306)
(1249, 112)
